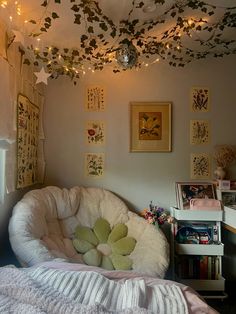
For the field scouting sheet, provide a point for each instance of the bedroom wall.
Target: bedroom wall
(137, 177)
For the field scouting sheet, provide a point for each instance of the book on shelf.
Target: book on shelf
(198, 267)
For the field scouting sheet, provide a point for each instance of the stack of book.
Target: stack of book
(198, 267)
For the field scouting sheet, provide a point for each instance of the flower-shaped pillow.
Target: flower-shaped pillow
(105, 247)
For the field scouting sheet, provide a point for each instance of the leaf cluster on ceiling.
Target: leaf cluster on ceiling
(185, 31)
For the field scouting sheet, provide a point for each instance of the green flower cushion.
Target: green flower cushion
(105, 247)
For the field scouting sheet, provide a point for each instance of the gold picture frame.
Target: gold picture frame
(150, 126)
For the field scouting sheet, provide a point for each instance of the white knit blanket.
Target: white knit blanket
(43, 290)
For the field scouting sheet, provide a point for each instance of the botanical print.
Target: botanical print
(200, 99)
(94, 163)
(27, 142)
(95, 132)
(199, 132)
(95, 98)
(150, 125)
(200, 166)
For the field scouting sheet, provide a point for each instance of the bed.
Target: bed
(47, 232)
(67, 288)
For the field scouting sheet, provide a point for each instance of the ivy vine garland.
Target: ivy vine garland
(180, 23)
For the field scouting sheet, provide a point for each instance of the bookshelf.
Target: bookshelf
(197, 251)
(228, 198)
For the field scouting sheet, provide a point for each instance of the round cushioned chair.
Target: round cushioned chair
(43, 223)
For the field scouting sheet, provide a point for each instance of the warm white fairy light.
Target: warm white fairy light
(4, 4)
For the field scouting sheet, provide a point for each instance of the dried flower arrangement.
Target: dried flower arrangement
(156, 215)
(224, 155)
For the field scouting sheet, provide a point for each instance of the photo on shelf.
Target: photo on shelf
(185, 191)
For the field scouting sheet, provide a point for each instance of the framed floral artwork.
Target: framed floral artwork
(200, 99)
(95, 132)
(199, 132)
(94, 164)
(185, 191)
(95, 98)
(150, 127)
(200, 166)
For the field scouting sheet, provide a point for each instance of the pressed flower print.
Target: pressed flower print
(150, 125)
(199, 132)
(95, 132)
(95, 98)
(200, 166)
(200, 99)
(94, 163)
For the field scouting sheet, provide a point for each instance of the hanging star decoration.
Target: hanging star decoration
(18, 37)
(42, 76)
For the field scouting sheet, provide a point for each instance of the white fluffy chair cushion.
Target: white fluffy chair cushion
(43, 223)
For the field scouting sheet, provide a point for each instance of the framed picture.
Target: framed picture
(150, 129)
(185, 191)
(228, 198)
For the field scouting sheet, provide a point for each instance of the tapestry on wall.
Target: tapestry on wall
(27, 142)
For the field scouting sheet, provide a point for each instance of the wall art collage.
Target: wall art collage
(200, 133)
(95, 131)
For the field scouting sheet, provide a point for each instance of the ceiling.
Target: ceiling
(176, 32)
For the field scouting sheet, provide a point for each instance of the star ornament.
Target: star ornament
(18, 37)
(42, 76)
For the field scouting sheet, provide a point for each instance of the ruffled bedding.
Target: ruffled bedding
(61, 287)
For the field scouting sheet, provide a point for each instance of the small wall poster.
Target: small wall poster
(27, 142)
(94, 164)
(95, 132)
(200, 166)
(200, 99)
(199, 132)
(95, 98)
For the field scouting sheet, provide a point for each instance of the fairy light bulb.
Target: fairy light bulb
(4, 4)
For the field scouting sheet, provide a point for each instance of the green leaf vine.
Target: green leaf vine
(168, 36)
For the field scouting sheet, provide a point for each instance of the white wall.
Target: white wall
(137, 177)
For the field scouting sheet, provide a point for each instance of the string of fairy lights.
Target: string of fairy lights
(17, 19)
(168, 44)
